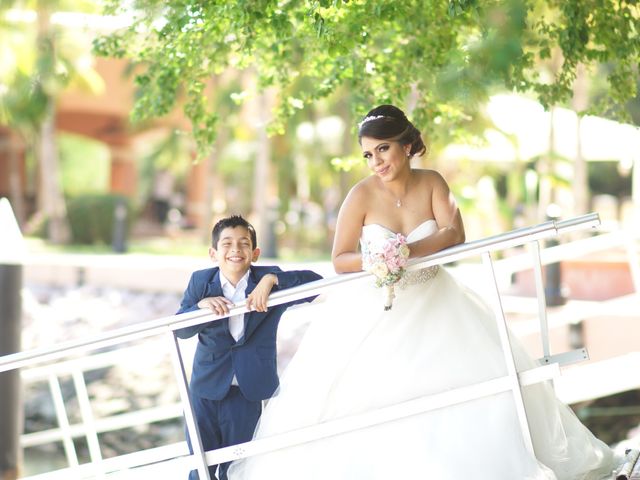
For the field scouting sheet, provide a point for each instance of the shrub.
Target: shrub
(92, 217)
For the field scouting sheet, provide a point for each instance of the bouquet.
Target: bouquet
(386, 261)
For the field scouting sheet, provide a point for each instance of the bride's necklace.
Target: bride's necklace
(399, 200)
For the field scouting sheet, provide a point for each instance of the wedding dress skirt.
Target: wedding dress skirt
(438, 336)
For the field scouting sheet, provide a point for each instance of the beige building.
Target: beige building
(105, 117)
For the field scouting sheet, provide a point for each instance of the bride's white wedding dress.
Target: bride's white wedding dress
(438, 336)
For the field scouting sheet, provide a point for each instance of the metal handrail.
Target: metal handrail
(167, 325)
(575, 249)
(174, 322)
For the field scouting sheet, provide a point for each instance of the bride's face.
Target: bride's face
(386, 158)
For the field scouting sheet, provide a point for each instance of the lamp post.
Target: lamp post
(119, 240)
(12, 253)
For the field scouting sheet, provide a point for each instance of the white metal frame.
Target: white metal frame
(575, 310)
(512, 373)
(511, 382)
(76, 368)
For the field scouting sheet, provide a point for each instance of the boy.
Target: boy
(234, 367)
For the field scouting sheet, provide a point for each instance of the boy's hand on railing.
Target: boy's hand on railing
(218, 305)
(257, 300)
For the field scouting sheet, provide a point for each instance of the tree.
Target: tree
(449, 54)
(42, 61)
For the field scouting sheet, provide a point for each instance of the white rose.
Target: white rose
(380, 270)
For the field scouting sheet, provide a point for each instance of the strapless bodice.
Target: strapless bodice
(375, 234)
(375, 231)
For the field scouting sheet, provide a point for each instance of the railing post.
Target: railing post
(542, 302)
(63, 421)
(509, 360)
(86, 413)
(192, 428)
(11, 258)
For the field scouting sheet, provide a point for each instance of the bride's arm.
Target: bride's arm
(345, 254)
(447, 216)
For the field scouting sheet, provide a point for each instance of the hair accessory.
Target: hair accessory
(370, 118)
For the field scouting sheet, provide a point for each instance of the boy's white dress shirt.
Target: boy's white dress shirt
(235, 294)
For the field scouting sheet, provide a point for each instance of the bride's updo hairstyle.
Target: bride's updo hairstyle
(388, 122)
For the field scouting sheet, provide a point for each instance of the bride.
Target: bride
(437, 336)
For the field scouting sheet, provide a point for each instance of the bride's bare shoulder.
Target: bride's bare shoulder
(430, 177)
(363, 189)
(425, 173)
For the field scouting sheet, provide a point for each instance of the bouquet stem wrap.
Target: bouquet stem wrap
(389, 296)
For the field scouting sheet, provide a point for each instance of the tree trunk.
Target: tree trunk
(348, 143)
(213, 187)
(261, 180)
(580, 182)
(545, 171)
(635, 194)
(16, 193)
(51, 201)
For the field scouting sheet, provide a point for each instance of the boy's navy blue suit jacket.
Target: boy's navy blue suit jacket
(253, 357)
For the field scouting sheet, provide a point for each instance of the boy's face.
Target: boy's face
(234, 252)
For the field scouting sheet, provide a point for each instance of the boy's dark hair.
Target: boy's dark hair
(232, 222)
